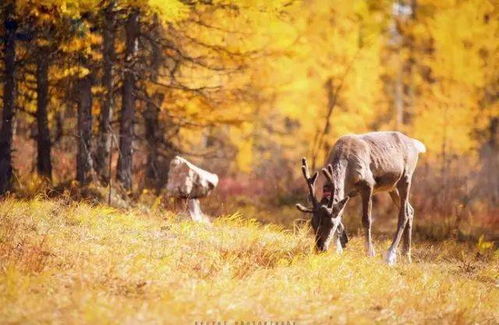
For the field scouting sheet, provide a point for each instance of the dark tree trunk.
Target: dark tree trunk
(124, 172)
(489, 154)
(43, 163)
(9, 95)
(153, 138)
(104, 143)
(153, 132)
(84, 166)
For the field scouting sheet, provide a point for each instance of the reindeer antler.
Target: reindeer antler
(328, 172)
(310, 181)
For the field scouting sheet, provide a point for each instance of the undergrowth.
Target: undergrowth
(69, 262)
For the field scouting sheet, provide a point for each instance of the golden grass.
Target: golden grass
(73, 263)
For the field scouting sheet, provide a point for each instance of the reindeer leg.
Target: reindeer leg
(406, 248)
(403, 187)
(339, 247)
(395, 197)
(408, 233)
(367, 221)
(343, 236)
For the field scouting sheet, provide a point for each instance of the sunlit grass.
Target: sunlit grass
(74, 263)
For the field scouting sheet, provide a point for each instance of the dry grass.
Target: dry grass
(73, 263)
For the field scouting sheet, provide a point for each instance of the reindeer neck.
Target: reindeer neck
(339, 174)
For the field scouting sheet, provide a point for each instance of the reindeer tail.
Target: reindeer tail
(419, 146)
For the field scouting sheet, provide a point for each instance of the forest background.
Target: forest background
(103, 94)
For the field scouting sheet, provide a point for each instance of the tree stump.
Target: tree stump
(190, 183)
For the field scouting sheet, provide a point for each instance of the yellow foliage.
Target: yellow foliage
(242, 137)
(484, 245)
(320, 40)
(449, 110)
(171, 11)
(280, 54)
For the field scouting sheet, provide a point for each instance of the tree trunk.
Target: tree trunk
(43, 163)
(124, 172)
(409, 67)
(9, 95)
(399, 96)
(104, 144)
(151, 118)
(84, 166)
(153, 138)
(488, 187)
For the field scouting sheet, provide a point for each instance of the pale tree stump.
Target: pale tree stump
(190, 183)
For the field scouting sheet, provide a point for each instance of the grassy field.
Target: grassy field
(73, 263)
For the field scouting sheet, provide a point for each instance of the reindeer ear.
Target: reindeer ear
(303, 209)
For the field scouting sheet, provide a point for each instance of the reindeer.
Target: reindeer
(364, 164)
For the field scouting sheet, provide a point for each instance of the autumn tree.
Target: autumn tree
(9, 94)
(47, 37)
(152, 127)
(103, 150)
(128, 97)
(249, 85)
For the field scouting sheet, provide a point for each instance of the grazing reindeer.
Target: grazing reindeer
(365, 164)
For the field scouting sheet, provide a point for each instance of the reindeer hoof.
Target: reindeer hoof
(370, 250)
(391, 258)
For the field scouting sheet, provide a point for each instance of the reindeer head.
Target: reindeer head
(326, 215)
